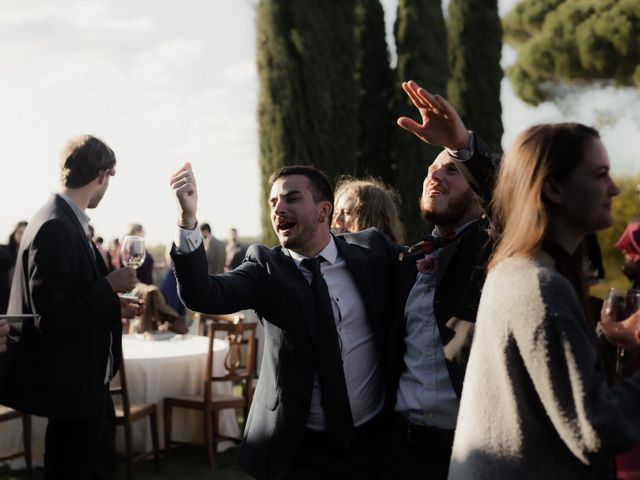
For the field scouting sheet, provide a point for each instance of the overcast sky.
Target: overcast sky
(167, 82)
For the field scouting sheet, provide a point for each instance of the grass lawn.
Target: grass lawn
(182, 463)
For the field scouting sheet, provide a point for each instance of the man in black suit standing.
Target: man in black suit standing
(439, 284)
(326, 304)
(69, 352)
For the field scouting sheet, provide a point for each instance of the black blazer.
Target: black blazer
(458, 284)
(60, 363)
(269, 282)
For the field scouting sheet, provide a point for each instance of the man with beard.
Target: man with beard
(326, 304)
(71, 348)
(440, 280)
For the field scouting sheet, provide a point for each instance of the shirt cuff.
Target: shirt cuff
(464, 154)
(187, 241)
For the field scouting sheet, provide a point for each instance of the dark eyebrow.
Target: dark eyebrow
(288, 194)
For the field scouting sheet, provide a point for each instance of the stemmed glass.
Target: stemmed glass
(133, 254)
(621, 304)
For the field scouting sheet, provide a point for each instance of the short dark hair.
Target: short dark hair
(320, 187)
(82, 160)
(205, 226)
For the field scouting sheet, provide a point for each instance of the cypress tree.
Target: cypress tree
(421, 41)
(308, 97)
(475, 46)
(375, 84)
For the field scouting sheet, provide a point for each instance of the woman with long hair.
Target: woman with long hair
(365, 203)
(536, 402)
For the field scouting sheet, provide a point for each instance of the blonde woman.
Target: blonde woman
(365, 203)
(536, 403)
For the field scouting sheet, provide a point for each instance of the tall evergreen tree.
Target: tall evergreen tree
(308, 93)
(421, 42)
(475, 46)
(375, 83)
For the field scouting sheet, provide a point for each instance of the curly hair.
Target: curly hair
(375, 205)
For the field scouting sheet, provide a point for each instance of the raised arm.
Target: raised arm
(442, 126)
(183, 184)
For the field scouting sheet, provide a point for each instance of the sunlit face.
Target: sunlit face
(447, 199)
(301, 224)
(344, 218)
(586, 194)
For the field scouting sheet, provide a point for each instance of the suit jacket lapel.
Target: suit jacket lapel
(66, 209)
(302, 290)
(361, 271)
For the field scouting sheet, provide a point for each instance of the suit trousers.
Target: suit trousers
(320, 459)
(82, 448)
(414, 452)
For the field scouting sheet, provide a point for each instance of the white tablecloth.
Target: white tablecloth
(155, 370)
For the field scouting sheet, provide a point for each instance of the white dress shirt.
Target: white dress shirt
(360, 356)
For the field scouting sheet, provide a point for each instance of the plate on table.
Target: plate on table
(153, 336)
(127, 297)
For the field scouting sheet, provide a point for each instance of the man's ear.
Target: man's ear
(325, 211)
(552, 191)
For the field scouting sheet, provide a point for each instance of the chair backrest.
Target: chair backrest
(239, 360)
(201, 320)
(122, 389)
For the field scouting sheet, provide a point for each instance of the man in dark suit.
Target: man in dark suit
(68, 353)
(439, 282)
(326, 303)
(235, 251)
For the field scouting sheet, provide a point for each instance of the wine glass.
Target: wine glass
(621, 304)
(133, 253)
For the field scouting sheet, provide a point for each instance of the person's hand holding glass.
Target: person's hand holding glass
(620, 321)
(133, 255)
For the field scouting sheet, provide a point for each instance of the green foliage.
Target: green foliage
(570, 43)
(475, 47)
(375, 85)
(625, 207)
(421, 41)
(308, 93)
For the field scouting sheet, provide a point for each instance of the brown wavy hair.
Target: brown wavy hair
(376, 205)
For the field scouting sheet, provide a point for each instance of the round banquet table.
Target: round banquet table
(167, 368)
(155, 369)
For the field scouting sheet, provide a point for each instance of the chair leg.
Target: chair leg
(129, 447)
(26, 436)
(153, 418)
(208, 437)
(167, 426)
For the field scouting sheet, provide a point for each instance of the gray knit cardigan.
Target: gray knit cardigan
(535, 403)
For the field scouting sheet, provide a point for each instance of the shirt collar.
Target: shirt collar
(83, 218)
(329, 253)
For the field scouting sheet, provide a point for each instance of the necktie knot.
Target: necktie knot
(313, 264)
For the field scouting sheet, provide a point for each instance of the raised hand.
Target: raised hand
(183, 184)
(441, 125)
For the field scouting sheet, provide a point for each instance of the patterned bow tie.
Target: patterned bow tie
(431, 243)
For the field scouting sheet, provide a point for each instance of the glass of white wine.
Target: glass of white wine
(133, 254)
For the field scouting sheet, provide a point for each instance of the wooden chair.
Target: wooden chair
(210, 403)
(126, 414)
(201, 320)
(7, 414)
